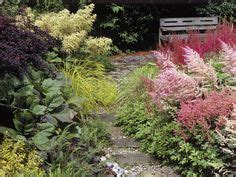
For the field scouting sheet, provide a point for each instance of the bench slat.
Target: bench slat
(180, 36)
(192, 21)
(171, 29)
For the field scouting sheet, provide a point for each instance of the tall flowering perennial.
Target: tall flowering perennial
(73, 30)
(228, 136)
(206, 113)
(164, 60)
(229, 60)
(202, 72)
(171, 85)
(211, 43)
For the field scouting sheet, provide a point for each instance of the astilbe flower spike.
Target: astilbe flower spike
(164, 60)
(229, 60)
(206, 113)
(203, 72)
(171, 85)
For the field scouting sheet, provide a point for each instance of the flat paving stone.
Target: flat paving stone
(116, 132)
(157, 174)
(125, 142)
(107, 117)
(133, 159)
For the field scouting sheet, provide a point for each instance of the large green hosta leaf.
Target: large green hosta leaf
(65, 114)
(52, 87)
(39, 110)
(43, 139)
(7, 85)
(24, 121)
(53, 101)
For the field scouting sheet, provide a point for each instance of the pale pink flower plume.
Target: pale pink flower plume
(202, 72)
(164, 60)
(171, 85)
(229, 59)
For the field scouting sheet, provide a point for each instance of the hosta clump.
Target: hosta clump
(20, 47)
(35, 99)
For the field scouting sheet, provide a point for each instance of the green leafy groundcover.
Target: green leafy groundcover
(160, 135)
(156, 134)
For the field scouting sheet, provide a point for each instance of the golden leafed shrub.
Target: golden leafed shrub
(16, 158)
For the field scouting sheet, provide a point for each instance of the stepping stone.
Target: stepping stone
(116, 132)
(131, 159)
(125, 143)
(157, 174)
(108, 117)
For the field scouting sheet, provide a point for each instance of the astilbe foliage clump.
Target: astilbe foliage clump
(206, 113)
(20, 47)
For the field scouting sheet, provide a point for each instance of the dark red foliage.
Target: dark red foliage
(206, 113)
(211, 43)
(20, 47)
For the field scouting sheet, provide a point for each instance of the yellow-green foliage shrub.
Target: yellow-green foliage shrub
(16, 158)
(73, 29)
(92, 84)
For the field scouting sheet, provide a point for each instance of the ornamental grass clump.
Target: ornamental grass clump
(97, 89)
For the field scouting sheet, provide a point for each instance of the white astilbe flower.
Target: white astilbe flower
(164, 60)
(202, 72)
(229, 60)
(228, 136)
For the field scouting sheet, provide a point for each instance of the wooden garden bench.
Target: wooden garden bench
(180, 26)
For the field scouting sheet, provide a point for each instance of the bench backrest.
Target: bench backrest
(189, 21)
(169, 26)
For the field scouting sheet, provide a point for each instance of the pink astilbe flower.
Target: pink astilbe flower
(201, 71)
(171, 85)
(229, 59)
(206, 113)
(210, 43)
(164, 60)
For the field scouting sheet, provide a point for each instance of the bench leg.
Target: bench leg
(159, 39)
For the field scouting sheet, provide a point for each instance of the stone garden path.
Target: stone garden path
(124, 150)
